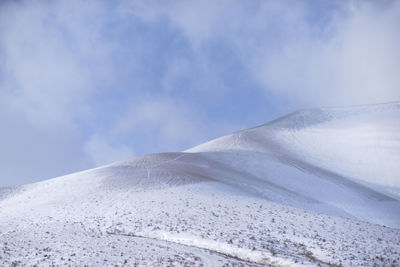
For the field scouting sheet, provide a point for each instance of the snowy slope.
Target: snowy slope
(346, 158)
(351, 141)
(313, 187)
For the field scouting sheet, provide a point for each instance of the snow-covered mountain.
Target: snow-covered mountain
(318, 186)
(345, 161)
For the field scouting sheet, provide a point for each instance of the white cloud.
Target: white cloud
(161, 123)
(48, 71)
(343, 53)
(356, 64)
(103, 153)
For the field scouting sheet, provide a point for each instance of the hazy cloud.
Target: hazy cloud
(356, 63)
(102, 152)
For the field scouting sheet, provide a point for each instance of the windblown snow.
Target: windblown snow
(316, 187)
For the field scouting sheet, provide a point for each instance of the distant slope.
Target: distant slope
(360, 142)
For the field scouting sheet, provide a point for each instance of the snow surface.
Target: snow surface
(346, 159)
(316, 187)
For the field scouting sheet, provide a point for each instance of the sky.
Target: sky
(87, 83)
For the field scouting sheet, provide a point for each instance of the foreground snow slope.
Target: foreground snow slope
(307, 188)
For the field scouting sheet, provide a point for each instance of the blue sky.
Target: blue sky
(85, 83)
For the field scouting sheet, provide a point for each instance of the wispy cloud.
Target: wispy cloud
(353, 61)
(334, 53)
